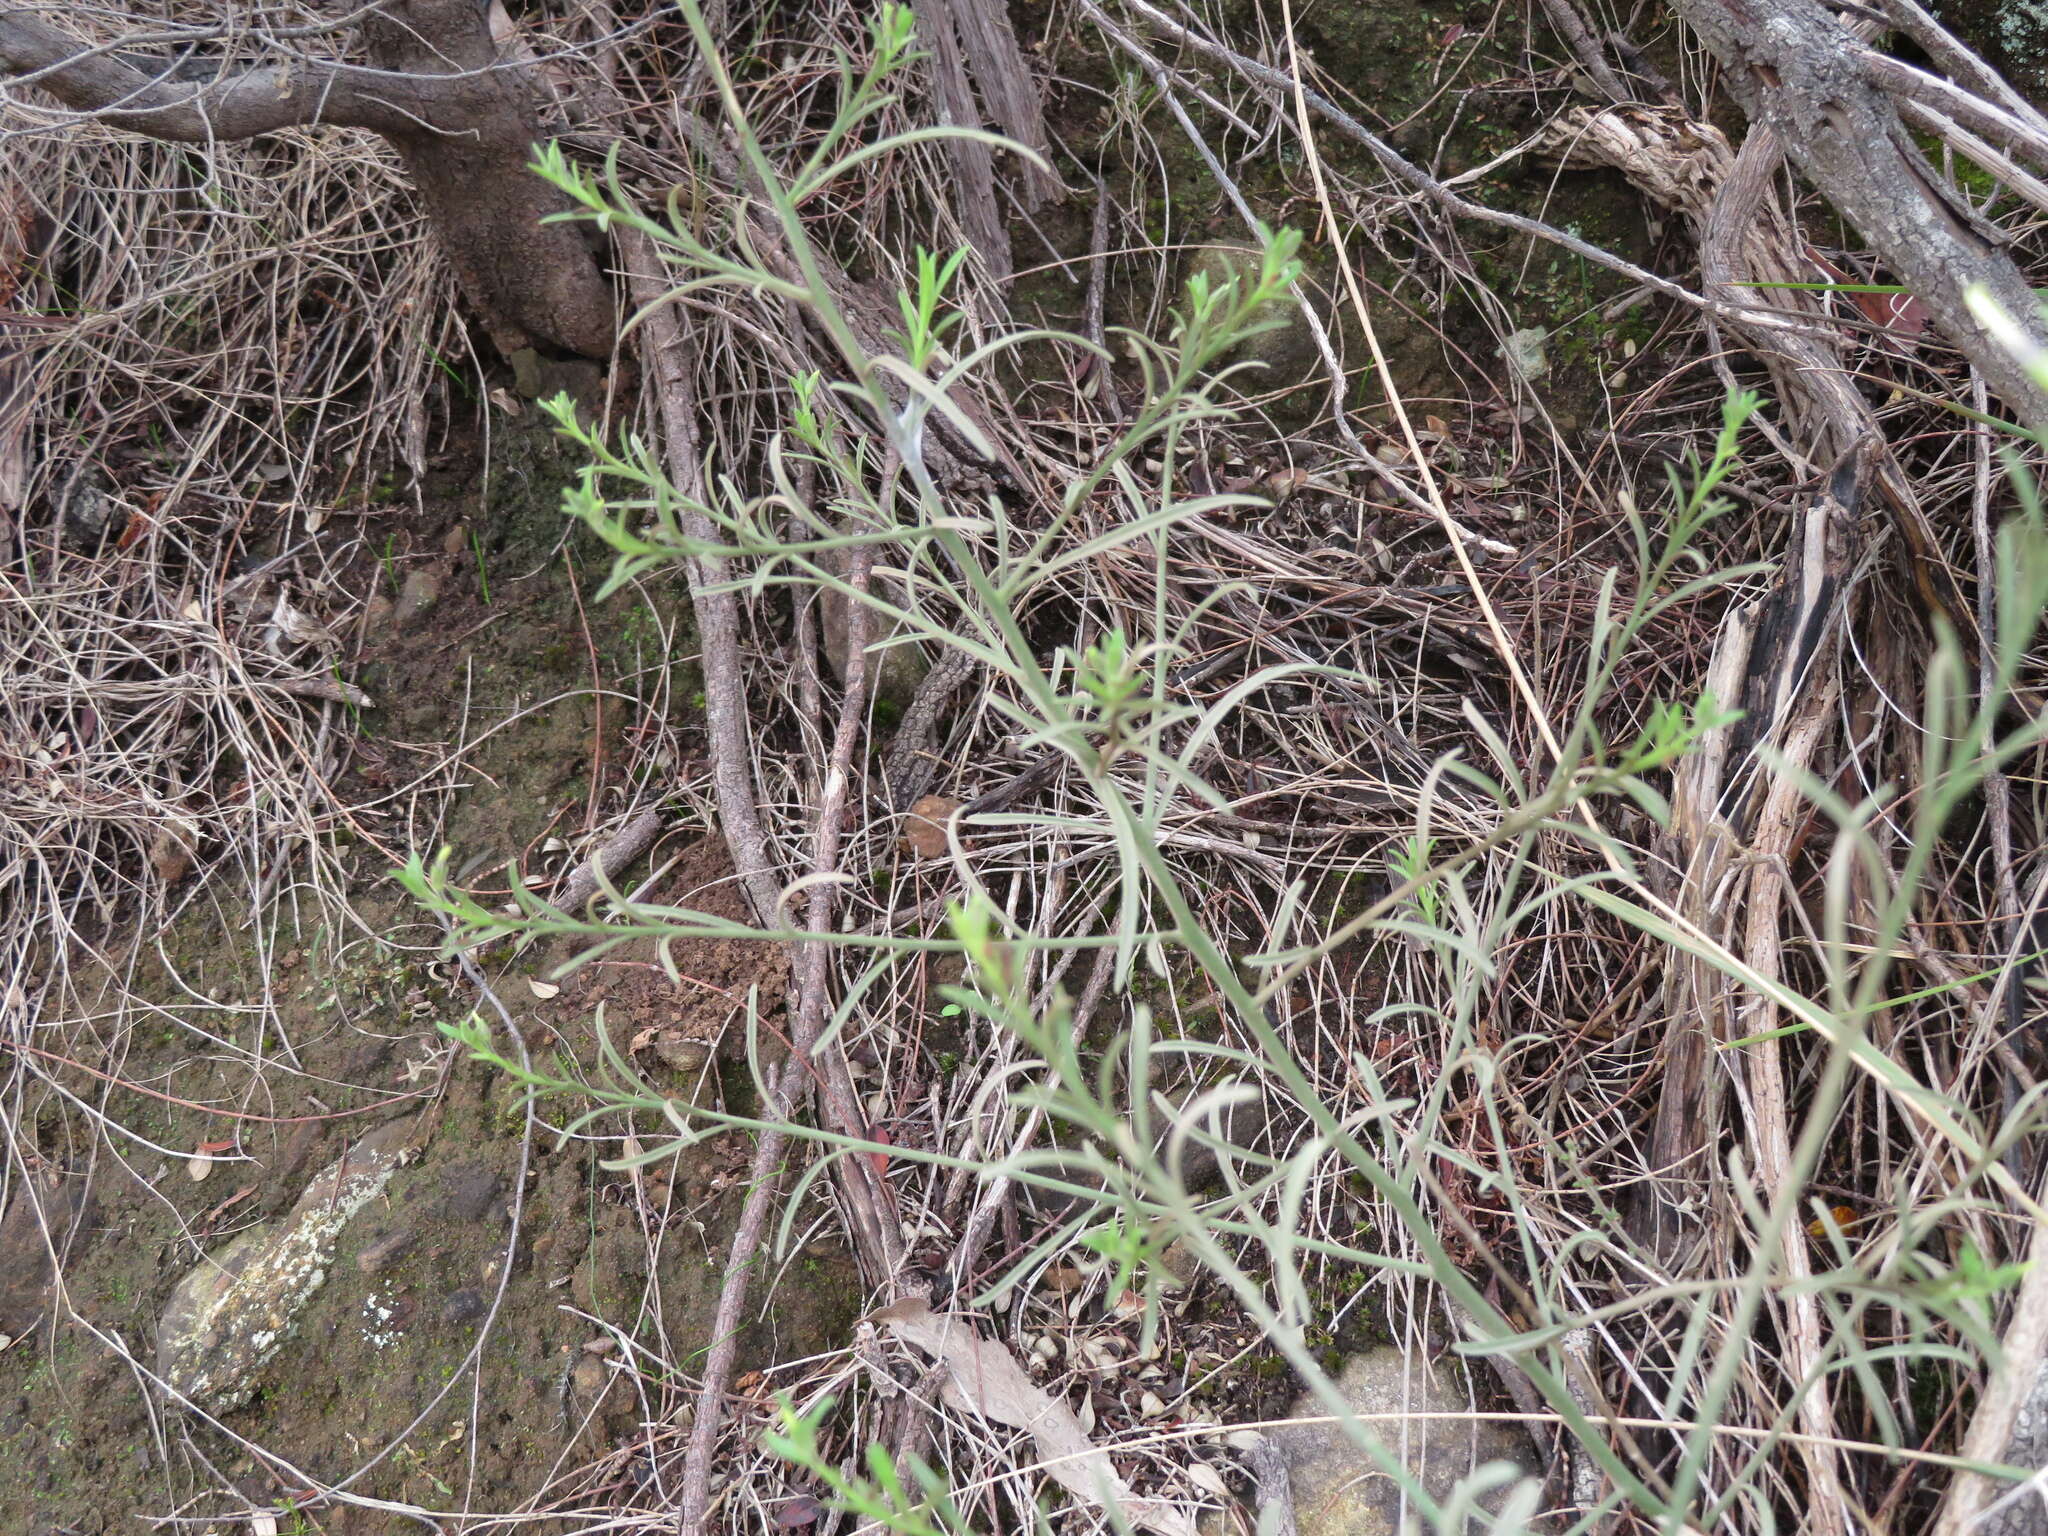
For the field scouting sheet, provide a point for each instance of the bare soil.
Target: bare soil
(408, 1380)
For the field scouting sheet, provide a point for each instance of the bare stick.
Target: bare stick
(1571, 27)
(631, 840)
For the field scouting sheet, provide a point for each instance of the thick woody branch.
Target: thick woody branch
(459, 112)
(1799, 72)
(100, 83)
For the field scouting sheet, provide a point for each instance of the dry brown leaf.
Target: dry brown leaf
(170, 855)
(983, 1377)
(924, 829)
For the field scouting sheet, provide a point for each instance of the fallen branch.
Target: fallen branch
(1802, 74)
(603, 866)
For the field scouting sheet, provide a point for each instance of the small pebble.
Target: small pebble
(421, 591)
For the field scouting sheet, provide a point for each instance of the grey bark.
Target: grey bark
(1794, 69)
(974, 197)
(1003, 75)
(463, 121)
(970, 45)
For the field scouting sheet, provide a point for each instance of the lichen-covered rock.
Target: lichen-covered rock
(1338, 1490)
(235, 1311)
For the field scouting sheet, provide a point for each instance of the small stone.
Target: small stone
(421, 591)
(526, 373)
(468, 1191)
(170, 855)
(587, 1378)
(1178, 1264)
(467, 1305)
(384, 1252)
(86, 509)
(687, 1056)
(456, 540)
(1524, 354)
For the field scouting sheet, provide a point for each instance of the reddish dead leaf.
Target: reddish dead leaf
(1901, 314)
(800, 1511)
(924, 829)
(232, 1200)
(1452, 33)
(208, 1148)
(1844, 1217)
(880, 1160)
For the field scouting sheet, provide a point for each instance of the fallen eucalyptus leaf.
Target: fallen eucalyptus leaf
(984, 1378)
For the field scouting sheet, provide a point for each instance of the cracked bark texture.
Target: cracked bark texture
(1794, 69)
(463, 119)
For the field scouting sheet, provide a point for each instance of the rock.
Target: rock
(377, 615)
(467, 1305)
(1286, 352)
(1338, 1490)
(542, 378)
(86, 509)
(686, 1058)
(1524, 353)
(894, 671)
(421, 591)
(468, 1192)
(170, 855)
(1178, 1264)
(231, 1315)
(384, 1252)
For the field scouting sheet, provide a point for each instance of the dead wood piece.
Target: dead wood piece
(1737, 818)
(463, 119)
(1749, 246)
(631, 840)
(974, 196)
(1004, 78)
(1272, 1486)
(1795, 70)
